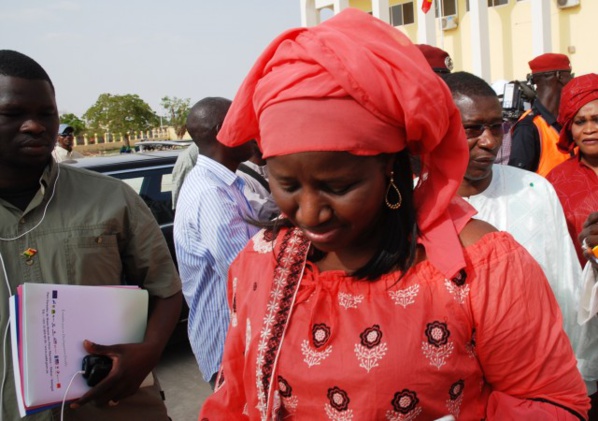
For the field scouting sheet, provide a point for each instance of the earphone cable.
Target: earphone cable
(44, 213)
(67, 391)
(9, 289)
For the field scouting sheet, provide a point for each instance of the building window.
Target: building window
(449, 8)
(491, 3)
(402, 14)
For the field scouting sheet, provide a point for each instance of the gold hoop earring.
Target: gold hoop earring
(397, 205)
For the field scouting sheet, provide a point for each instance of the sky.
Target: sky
(152, 48)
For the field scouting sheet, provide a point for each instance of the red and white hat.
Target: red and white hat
(440, 61)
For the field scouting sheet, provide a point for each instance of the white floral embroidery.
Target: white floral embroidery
(470, 346)
(275, 405)
(279, 282)
(470, 349)
(459, 292)
(335, 415)
(437, 355)
(262, 245)
(454, 406)
(247, 335)
(261, 400)
(233, 315)
(349, 300)
(294, 240)
(368, 358)
(290, 404)
(271, 309)
(397, 416)
(313, 357)
(405, 297)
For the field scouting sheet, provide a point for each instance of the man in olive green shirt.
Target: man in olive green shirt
(79, 228)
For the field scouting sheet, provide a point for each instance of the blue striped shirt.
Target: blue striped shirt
(209, 231)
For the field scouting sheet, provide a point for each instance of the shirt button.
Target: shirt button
(22, 221)
(29, 262)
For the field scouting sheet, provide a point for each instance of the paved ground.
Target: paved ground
(182, 383)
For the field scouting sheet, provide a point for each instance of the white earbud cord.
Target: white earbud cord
(5, 340)
(67, 391)
(3, 373)
(9, 289)
(43, 215)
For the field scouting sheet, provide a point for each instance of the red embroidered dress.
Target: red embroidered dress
(577, 187)
(324, 346)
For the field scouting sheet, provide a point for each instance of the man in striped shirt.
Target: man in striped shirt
(210, 228)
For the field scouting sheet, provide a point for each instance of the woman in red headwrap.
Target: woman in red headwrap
(576, 180)
(370, 299)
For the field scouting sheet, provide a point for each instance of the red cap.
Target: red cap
(439, 60)
(550, 62)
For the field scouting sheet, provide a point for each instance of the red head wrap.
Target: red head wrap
(356, 84)
(550, 62)
(575, 94)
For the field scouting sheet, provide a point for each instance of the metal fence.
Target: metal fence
(161, 133)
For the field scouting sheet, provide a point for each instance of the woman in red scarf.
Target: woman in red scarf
(576, 180)
(371, 299)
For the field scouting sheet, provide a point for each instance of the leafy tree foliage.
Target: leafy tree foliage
(177, 110)
(120, 114)
(73, 121)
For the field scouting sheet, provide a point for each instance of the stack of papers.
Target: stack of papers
(49, 323)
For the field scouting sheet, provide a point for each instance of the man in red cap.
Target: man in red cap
(440, 61)
(536, 134)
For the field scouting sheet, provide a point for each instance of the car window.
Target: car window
(167, 183)
(134, 182)
(154, 186)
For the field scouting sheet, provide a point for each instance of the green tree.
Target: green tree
(120, 114)
(73, 121)
(177, 110)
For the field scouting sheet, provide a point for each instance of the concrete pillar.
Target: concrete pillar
(309, 14)
(541, 31)
(426, 25)
(340, 5)
(480, 39)
(381, 10)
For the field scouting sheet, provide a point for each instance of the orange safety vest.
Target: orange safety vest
(550, 154)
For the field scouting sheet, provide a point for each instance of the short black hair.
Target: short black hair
(207, 114)
(467, 84)
(15, 64)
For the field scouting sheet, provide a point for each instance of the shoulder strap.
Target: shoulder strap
(250, 171)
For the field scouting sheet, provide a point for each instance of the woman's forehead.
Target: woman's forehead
(589, 108)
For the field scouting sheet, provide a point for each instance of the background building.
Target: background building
(491, 38)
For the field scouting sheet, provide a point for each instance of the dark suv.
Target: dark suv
(150, 175)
